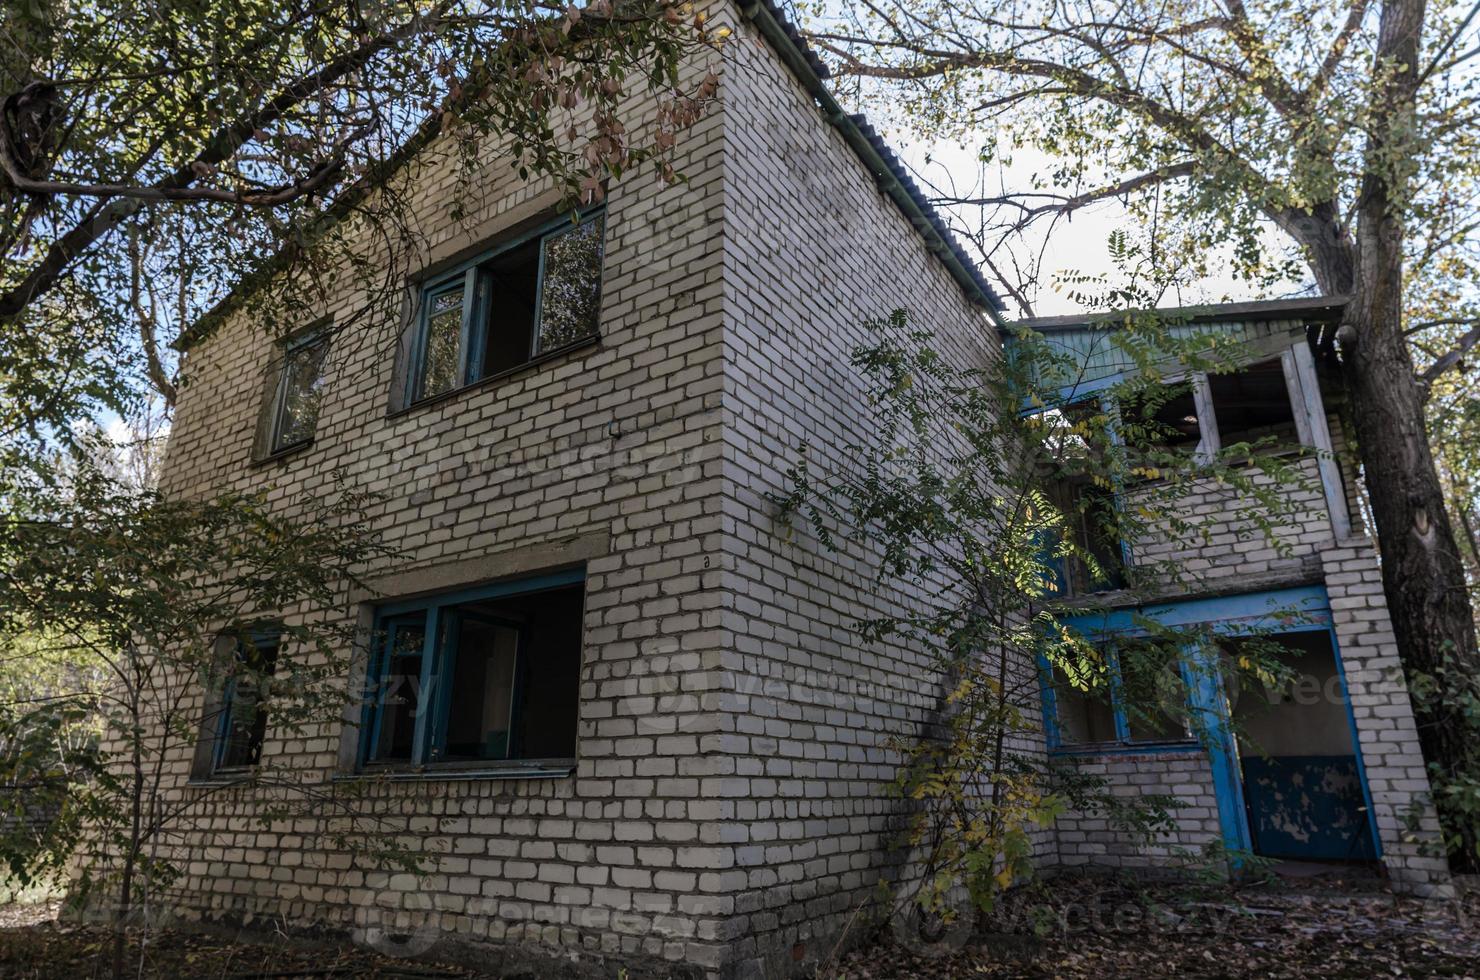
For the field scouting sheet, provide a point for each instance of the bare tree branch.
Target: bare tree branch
(1455, 355)
(110, 211)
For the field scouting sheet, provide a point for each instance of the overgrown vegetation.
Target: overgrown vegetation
(130, 595)
(1327, 145)
(953, 493)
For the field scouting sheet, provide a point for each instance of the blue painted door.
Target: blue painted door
(1307, 807)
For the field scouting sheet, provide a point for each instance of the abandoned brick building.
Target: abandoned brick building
(1329, 770)
(642, 755)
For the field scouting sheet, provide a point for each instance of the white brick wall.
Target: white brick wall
(1090, 841)
(728, 807)
(728, 810)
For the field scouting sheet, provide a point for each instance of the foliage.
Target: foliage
(1454, 692)
(1329, 142)
(152, 155)
(138, 590)
(952, 494)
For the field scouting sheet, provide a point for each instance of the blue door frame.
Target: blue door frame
(1300, 609)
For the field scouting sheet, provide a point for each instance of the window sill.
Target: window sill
(553, 769)
(219, 780)
(1121, 748)
(282, 454)
(493, 380)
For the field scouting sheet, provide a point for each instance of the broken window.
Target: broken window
(1138, 698)
(1162, 418)
(1097, 562)
(1084, 715)
(532, 295)
(295, 406)
(479, 679)
(241, 723)
(1076, 439)
(1152, 693)
(1253, 406)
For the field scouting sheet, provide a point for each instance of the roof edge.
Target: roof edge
(1322, 308)
(881, 162)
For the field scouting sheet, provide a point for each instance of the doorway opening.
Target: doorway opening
(1303, 784)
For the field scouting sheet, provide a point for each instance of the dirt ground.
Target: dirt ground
(1110, 928)
(1081, 928)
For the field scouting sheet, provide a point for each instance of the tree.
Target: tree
(151, 156)
(960, 497)
(124, 591)
(1347, 125)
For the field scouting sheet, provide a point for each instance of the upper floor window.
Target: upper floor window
(295, 410)
(1076, 436)
(1208, 413)
(488, 678)
(531, 295)
(1096, 562)
(1253, 407)
(241, 719)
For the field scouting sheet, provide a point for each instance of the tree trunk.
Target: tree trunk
(1422, 571)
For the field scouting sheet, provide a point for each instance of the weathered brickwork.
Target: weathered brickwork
(1375, 687)
(1091, 841)
(728, 809)
(1225, 543)
(1227, 554)
(609, 455)
(727, 814)
(814, 251)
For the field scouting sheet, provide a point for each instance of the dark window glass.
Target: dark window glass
(397, 694)
(244, 716)
(570, 286)
(441, 366)
(536, 295)
(299, 394)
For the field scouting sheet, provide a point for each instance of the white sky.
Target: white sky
(1078, 243)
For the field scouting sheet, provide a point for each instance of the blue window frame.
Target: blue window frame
(480, 679)
(1116, 711)
(241, 721)
(532, 295)
(295, 411)
(1086, 507)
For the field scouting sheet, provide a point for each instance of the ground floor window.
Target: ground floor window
(241, 722)
(487, 677)
(1134, 695)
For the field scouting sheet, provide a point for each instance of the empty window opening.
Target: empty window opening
(479, 679)
(1162, 418)
(532, 295)
(1253, 406)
